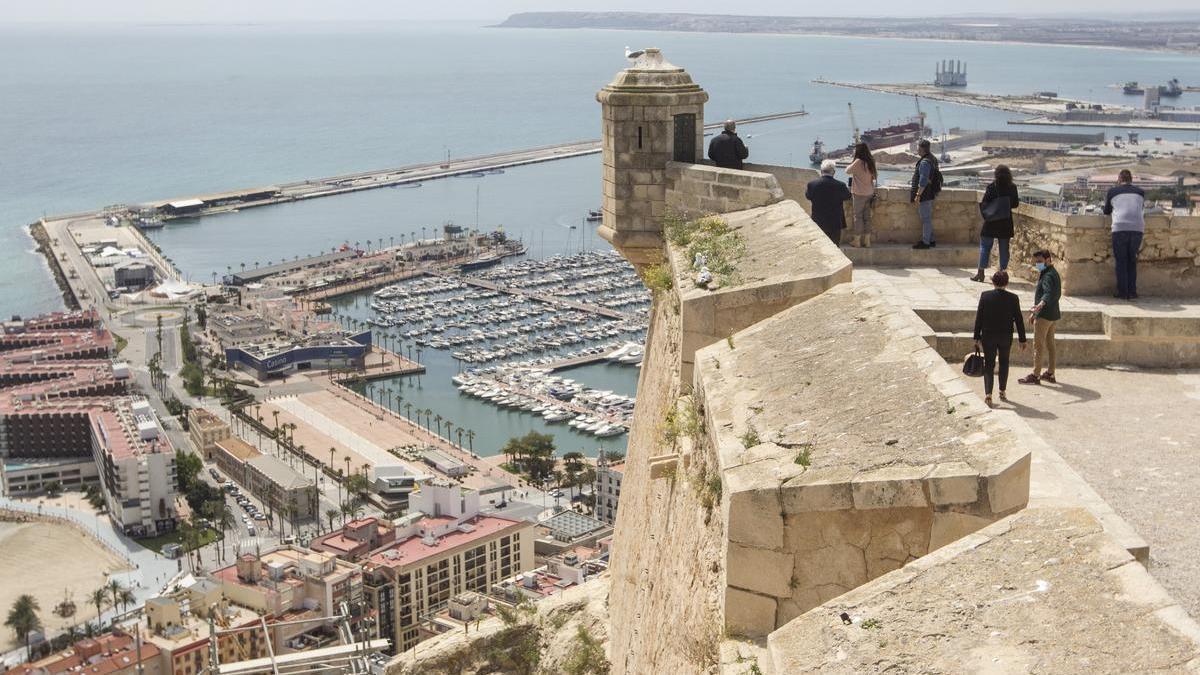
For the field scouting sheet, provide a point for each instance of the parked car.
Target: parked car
(260, 516)
(251, 531)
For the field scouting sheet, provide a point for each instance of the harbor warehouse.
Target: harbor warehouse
(277, 359)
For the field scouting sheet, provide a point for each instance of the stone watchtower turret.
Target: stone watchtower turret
(653, 114)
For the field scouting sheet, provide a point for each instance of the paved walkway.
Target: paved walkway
(1134, 436)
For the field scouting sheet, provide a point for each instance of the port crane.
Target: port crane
(945, 155)
(853, 123)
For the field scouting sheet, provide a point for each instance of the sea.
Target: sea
(93, 115)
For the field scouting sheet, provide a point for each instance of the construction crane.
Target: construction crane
(853, 123)
(945, 155)
(920, 115)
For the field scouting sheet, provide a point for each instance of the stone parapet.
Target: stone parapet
(787, 260)
(700, 189)
(847, 448)
(1168, 265)
(1045, 590)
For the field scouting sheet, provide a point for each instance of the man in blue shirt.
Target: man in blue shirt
(926, 183)
(1125, 203)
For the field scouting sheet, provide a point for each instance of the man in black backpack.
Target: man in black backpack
(926, 184)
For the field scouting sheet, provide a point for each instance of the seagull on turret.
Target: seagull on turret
(632, 55)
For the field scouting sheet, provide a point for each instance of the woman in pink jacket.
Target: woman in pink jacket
(863, 175)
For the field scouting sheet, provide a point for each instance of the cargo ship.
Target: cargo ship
(1170, 89)
(886, 137)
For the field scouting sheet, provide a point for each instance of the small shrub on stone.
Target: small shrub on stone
(586, 656)
(658, 278)
(804, 457)
(750, 438)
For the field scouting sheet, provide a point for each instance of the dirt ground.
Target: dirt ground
(50, 561)
(1134, 435)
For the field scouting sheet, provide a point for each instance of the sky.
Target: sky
(235, 11)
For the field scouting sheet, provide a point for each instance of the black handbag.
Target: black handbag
(973, 365)
(999, 208)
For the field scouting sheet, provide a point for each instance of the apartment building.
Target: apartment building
(448, 551)
(292, 584)
(270, 479)
(607, 488)
(205, 430)
(136, 464)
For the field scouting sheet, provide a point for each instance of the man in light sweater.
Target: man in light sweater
(1125, 203)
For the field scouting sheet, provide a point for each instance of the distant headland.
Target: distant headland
(1073, 30)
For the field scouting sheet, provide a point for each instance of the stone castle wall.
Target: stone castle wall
(667, 559)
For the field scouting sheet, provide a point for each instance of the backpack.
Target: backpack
(935, 178)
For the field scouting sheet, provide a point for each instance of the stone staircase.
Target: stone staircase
(1083, 338)
(904, 255)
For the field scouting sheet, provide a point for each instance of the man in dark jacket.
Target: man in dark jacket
(827, 196)
(726, 150)
(926, 184)
(999, 312)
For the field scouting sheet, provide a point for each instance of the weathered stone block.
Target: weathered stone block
(824, 491)
(759, 570)
(748, 614)
(953, 483)
(892, 487)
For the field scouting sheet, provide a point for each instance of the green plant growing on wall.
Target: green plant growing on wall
(750, 438)
(804, 457)
(658, 278)
(586, 656)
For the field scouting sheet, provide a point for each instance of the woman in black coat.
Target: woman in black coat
(997, 218)
(999, 312)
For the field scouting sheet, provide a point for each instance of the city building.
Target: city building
(133, 274)
(178, 626)
(267, 360)
(607, 488)
(280, 487)
(451, 550)
(567, 529)
(115, 653)
(232, 325)
(136, 465)
(293, 584)
(205, 430)
(32, 477)
(444, 463)
(356, 539)
(62, 405)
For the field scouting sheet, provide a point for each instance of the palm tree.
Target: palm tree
(471, 439)
(408, 411)
(438, 419)
(114, 589)
(332, 450)
(331, 513)
(127, 598)
(460, 432)
(97, 598)
(23, 619)
(347, 460)
(346, 510)
(449, 426)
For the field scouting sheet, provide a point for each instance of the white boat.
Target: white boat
(610, 430)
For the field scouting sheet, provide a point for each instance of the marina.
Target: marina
(521, 339)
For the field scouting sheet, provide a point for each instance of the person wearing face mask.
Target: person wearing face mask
(1044, 315)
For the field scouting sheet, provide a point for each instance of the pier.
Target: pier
(410, 175)
(1040, 110)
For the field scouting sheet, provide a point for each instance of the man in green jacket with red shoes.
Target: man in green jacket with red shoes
(1044, 315)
